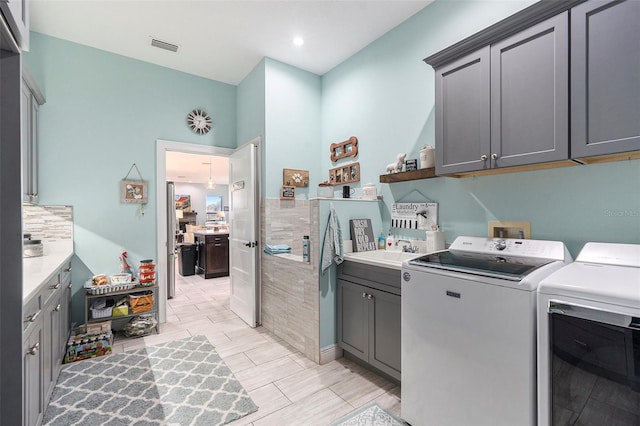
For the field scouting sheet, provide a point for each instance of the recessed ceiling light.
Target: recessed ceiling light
(298, 41)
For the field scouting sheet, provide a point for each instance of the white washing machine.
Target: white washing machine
(469, 331)
(589, 339)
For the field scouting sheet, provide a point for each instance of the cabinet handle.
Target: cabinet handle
(494, 156)
(34, 349)
(32, 317)
(57, 308)
(483, 157)
(369, 296)
(364, 294)
(70, 286)
(68, 269)
(55, 287)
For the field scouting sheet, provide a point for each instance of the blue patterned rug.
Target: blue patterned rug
(369, 415)
(183, 382)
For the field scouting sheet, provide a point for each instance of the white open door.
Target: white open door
(243, 241)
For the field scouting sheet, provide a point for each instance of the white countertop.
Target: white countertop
(383, 258)
(37, 270)
(211, 232)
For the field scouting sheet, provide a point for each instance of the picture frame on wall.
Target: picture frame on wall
(288, 192)
(134, 191)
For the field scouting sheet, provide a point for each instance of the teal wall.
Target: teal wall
(251, 112)
(293, 102)
(103, 113)
(384, 95)
(251, 104)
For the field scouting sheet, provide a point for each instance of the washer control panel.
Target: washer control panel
(541, 249)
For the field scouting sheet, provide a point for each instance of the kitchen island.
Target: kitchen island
(212, 258)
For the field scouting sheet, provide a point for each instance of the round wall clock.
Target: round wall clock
(199, 121)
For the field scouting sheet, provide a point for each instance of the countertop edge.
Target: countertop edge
(38, 270)
(374, 262)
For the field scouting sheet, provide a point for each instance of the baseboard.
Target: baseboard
(330, 353)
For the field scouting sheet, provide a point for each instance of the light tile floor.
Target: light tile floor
(288, 388)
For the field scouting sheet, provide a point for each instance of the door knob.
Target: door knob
(483, 157)
(494, 156)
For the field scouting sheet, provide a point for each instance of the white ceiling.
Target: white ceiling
(224, 40)
(194, 168)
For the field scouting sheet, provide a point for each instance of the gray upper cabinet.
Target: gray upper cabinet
(462, 114)
(530, 95)
(31, 100)
(605, 78)
(505, 104)
(16, 12)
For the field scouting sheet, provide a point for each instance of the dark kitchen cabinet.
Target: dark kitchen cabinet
(505, 104)
(605, 78)
(369, 315)
(212, 259)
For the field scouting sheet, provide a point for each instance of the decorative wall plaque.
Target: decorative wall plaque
(293, 177)
(345, 174)
(348, 148)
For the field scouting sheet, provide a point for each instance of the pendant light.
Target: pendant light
(211, 184)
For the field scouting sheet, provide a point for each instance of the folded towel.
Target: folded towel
(332, 250)
(276, 248)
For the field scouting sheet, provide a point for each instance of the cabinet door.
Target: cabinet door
(201, 255)
(34, 117)
(25, 140)
(353, 319)
(217, 256)
(462, 114)
(384, 329)
(530, 94)
(65, 315)
(33, 402)
(51, 353)
(605, 78)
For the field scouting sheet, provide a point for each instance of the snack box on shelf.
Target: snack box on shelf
(85, 346)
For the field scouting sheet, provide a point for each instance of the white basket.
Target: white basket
(107, 288)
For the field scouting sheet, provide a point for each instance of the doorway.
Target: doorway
(164, 147)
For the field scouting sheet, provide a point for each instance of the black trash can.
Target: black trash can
(187, 259)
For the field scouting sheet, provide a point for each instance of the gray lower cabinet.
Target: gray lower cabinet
(369, 315)
(605, 78)
(506, 104)
(45, 333)
(32, 353)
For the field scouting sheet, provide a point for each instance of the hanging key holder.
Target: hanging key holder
(134, 191)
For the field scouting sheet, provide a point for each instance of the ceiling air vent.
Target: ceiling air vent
(164, 45)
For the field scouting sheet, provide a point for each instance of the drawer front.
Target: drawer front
(50, 288)
(31, 312)
(65, 273)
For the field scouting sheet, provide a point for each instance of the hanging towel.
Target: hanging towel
(332, 245)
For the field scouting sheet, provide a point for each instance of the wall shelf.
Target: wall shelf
(410, 175)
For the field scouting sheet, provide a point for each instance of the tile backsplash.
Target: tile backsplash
(48, 223)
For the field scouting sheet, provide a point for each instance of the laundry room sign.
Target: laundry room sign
(414, 215)
(362, 235)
